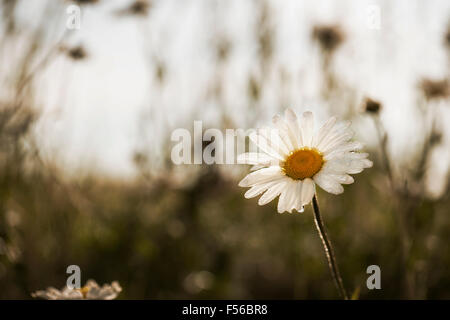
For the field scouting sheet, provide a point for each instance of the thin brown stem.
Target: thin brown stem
(400, 200)
(328, 249)
(382, 137)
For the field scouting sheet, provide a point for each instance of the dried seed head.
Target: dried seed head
(81, 2)
(372, 106)
(77, 53)
(223, 48)
(435, 89)
(329, 37)
(254, 88)
(136, 8)
(160, 71)
(435, 138)
(139, 7)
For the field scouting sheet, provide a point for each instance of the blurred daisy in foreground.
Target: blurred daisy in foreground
(295, 159)
(91, 291)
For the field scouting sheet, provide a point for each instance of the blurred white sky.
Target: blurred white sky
(98, 111)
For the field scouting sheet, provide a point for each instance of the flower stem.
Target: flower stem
(328, 249)
(383, 139)
(401, 199)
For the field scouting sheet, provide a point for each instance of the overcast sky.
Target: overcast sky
(99, 110)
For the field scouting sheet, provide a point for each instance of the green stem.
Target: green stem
(328, 249)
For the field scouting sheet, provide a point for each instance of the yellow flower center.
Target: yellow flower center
(303, 163)
(84, 291)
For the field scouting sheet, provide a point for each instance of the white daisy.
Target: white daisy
(91, 291)
(295, 159)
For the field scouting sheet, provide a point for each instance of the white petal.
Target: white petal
(340, 150)
(287, 197)
(258, 189)
(331, 144)
(336, 166)
(350, 162)
(308, 190)
(283, 131)
(337, 130)
(298, 198)
(342, 178)
(273, 135)
(327, 183)
(262, 176)
(273, 192)
(356, 155)
(357, 166)
(282, 202)
(367, 163)
(307, 128)
(294, 128)
(265, 145)
(294, 197)
(269, 140)
(324, 131)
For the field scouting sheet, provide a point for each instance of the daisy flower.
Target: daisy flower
(295, 158)
(91, 291)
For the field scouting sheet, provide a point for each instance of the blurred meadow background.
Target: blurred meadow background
(86, 117)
